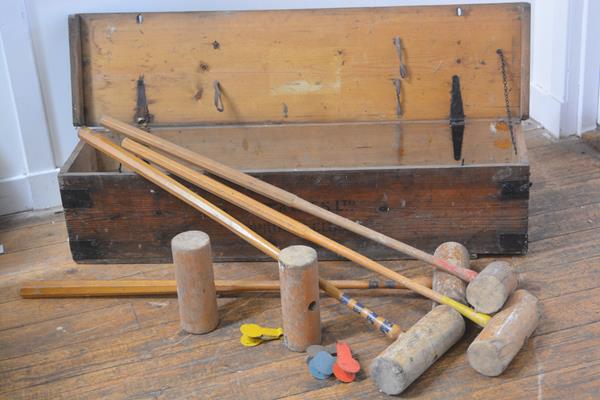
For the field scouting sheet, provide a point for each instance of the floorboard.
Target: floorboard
(133, 348)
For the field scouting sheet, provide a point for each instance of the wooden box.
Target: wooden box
(312, 101)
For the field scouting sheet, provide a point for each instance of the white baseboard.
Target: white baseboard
(44, 189)
(15, 196)
(29, 192)
(546, 109)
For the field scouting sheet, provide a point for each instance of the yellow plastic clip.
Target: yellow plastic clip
(257, 331)
(249, 341)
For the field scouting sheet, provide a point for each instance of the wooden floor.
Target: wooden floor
(134, 349)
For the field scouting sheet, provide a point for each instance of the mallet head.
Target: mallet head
(417, 349)
(488, 292)
(500, 341)
(446, 283)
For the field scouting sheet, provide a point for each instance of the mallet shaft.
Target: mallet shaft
(178, 190)
(97, 288)
(280, 195)
(293, 226)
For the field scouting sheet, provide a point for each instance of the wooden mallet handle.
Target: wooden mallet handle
(98, 288)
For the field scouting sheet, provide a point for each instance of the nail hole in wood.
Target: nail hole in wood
(312, 305)
(203, 67)
(199, 93)
(285, 110)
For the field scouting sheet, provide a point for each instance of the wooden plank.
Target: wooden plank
(341, 69)
(23, 262)
(525, 59)
(76, 70)
(559, 223)
(158, 319)
(592, 139)
(81, 159)
(557, 354)
(564, 197)
(21, 220)
(67, 331)
(434, 205)
(255, 378)
(573, 162)
(281, 366)
(22, 313)
(535, 278)
(573, 309)
(31, 237)
(159, 360)
(554, 385)
(150, 383)
(535, 135)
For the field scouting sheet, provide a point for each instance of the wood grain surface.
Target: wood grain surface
(300, 65)
(416, 202)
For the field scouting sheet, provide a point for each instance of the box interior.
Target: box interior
(332, 146)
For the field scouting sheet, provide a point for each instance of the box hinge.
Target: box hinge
(457, 118)
(514, 190)
(513, 243)
(142, 116)
(76, 198)
(85, 250)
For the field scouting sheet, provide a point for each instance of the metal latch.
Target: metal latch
(457, 118)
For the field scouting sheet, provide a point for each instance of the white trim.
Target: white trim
(546, 109)
(15, 196)
(34, 191)
(565, 65)
(44, 189)
(598, 111)
(589, 68)
(34, 183)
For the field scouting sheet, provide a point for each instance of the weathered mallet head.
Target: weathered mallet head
(446, 283)
(417, 349)
(488, 292)
(504, 335)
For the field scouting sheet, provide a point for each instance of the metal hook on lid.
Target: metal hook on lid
(398, 85)
(399, 50)
(218, 100)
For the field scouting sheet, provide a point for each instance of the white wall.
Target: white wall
(39, 27)
(27, 166)
(565, 70)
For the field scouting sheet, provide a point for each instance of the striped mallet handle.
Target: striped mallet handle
(388, 328)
